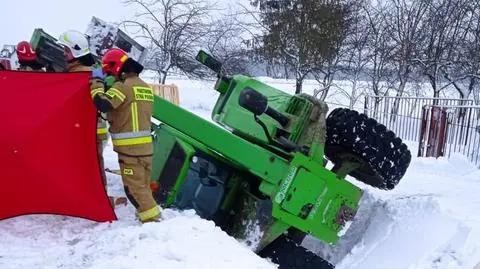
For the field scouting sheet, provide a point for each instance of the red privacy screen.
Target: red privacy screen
(48, 154)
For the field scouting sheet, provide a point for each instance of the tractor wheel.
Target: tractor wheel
(288, 255)
(354, 135)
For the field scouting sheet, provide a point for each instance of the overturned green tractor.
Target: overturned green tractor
(259, 171)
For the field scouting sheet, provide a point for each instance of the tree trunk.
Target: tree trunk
(376, 104)
(436, 93)
(324, 94)
(354, 92)
(298, 85)
(352, 96)
(163, 77)
(476, 97)
(396, 103)
(285, 69)
(163, 74)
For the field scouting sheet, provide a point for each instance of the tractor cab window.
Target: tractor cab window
(170, 173)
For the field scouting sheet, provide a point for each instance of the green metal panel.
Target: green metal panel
(307, 115)
(229, 113)
(48, 51)
(311, 197)
(301, 108)
(200, 146)
(37, 35)
(250, 157)
(308, 189)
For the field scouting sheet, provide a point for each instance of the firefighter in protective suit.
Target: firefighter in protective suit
(129, 107)
(78, 57)
(27, 58)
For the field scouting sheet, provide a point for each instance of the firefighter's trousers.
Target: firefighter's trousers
(136, 180)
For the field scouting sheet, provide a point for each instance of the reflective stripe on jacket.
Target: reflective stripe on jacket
(102, 131)
(131, 138)
(130, 119)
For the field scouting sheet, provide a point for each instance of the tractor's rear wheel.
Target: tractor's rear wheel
(288, 255)
(384, 156)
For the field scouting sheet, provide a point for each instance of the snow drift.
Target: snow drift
(429, 221)
(182, 240)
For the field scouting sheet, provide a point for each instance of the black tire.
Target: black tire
(385, 155)
(288, 255)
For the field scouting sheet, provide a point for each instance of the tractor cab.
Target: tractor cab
(189, 177)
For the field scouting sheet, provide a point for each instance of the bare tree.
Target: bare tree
(325, 75)
(405, 22)
(380, 48)
(442, 30)
(174, 30)
(349, 58)
(229, 43)
(357, 54)
(464, 54)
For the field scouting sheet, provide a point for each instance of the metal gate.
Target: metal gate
(451, 129)
(433, 132)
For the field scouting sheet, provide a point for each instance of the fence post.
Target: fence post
(365, 106)
(423, 129)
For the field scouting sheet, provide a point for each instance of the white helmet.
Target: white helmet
(76, 42)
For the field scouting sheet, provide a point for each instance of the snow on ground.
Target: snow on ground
(430, 221)
(181, 240)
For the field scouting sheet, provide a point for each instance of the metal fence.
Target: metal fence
(403, 115)
(417, 119)
(463, 131)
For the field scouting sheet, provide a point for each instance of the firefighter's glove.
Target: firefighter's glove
(98, 73)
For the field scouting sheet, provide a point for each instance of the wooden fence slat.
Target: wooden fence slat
(168, 92)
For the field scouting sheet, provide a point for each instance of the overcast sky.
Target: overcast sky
(20, 18)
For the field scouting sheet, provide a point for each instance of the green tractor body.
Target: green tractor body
(49, 52)
(259, 172)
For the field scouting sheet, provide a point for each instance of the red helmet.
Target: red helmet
(113, 61)
(25, 52)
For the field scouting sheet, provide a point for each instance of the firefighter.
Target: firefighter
(27, 58)
(129, 107)
(76, 52)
